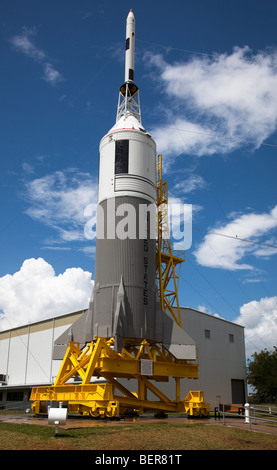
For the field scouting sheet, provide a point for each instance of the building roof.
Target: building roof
(64, 319)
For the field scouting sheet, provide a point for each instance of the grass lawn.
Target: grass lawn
(140, 437)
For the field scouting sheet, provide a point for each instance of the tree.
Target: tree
(262, 375)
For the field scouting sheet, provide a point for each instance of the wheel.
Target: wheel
(94, 412)
(204, 412)
(196, 412)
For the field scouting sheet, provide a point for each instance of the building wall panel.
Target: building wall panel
(4, 352)
(39, 363)
(17, 360)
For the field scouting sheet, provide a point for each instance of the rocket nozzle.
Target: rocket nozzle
(129, 88)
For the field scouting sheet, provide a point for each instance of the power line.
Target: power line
(209, 134)
(187, 51)
(176, 49)
(235, 238)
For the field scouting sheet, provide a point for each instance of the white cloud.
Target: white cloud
(25, 44)
(59, 199)
(268, 250)
(230, 100)
(35, 292)
(51, 75)
(220, 251)
(259, 317)
(182, 136)
(190, 183)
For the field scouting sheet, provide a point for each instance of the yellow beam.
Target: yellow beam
(92, 361)
(129, 368)
(66, 363)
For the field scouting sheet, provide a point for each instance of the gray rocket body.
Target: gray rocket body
(124, 303)
(125, 293)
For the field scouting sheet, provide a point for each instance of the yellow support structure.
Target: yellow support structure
(98, 359)
(168, 262)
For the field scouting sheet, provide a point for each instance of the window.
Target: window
(121, 156)
(231, 338)
(207, 334)
(15, 396)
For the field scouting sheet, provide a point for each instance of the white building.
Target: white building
(26, 358)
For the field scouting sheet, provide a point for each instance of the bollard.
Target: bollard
(247, 413)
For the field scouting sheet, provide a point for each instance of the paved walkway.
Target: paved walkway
(85, 422)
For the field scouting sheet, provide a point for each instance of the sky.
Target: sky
(207, 75)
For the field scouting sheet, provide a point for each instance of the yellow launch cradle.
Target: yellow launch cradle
(144, 361)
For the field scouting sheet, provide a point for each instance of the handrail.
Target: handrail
(250, 413)
(16, 407)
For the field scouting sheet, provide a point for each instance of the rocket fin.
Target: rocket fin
(176, 340)
(172, 336)
(120, 321)
(80, 331)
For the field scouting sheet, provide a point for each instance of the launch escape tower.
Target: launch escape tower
(130, 330)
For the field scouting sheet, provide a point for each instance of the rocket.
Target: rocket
(125, 304)
(130, 48)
